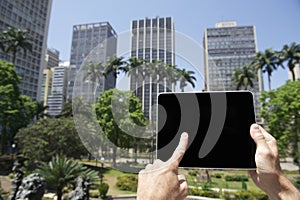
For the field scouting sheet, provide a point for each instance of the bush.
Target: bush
(193, 172)
(103, 189)
(245, 195)
(217, 175)
(236, 178)
(127, 182)
(204, 193)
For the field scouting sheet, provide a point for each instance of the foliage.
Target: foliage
(16, 111)
(245, 195)
(103, 189)
(61, 172)
(119, 113)
(280, 108)
(12, 40)
(236, 178)
(193, 172)
(204, 193)
(217, 175)
(296, 182)
(291, 55)
(244, 77)
(48, 137)
(127, 182)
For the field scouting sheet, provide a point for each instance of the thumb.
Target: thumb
(258, 136)
(181, 148)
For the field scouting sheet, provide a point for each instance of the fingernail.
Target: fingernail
(184, 135)
(256, 127)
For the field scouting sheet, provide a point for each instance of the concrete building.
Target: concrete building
(94, 42)
(152, 40)
(296, 71)
(32, 15)
(58, 95)
(52, 58)
(228, 47)
(46, 85)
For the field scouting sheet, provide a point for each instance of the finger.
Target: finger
(270, 140)
(181, 148)
(148, 167)
(258, 136)
(181, 178)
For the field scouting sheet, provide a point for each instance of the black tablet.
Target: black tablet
(218, 124)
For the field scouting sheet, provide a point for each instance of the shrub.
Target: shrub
(103, 189)
(127, 182)
(204, 193)
(217, 175)
(193, 172)
(236, 178)
(245, 195)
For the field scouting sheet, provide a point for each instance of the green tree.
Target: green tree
(48, 137)
(291, 55)
(268, 62)
(244, 77)
(60, 172)
(118, 111)
(16, 111)
(184, 77)
(134, 67)
(13, 40)
(280, 109)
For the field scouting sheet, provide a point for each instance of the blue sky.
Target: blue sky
(277, 22)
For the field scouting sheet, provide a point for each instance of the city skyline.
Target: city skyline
(275, 26)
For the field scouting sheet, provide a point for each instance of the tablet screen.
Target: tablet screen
(218, 125)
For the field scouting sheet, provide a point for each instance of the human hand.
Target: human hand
(268, 175)
(161, 181)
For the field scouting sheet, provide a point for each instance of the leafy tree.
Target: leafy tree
(40, 111)
(61, 172)
(12, 40)
(267, 62)
(133, 68)
(118, 111)
(16, 111)
(280, 109)
(291, 55)
(48, 137)
(115, 65)
(244, 77)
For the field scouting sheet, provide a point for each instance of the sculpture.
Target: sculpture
(81, 191)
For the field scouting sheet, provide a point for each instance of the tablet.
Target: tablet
(218, 124)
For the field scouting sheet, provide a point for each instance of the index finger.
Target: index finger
(181, 148)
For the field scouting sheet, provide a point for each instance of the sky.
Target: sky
(277, 22)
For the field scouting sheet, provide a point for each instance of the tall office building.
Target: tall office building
(52, 58)
(46, 85)
(228, 47)
(58, 95)
(151, 40)
(32, 15)
(296, 72)
(94, 41)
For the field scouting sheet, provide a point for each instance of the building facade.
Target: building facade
(32, 15)
(296, 72)
(94, 42)
(58, 95)
(151, 40)
(46, 85)
(227, 47)
(52, 58)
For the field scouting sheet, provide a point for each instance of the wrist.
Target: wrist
(284, 189)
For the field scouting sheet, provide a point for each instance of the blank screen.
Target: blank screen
(218, 124)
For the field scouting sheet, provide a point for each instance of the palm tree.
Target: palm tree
(244, 77)
(60, 172)
(291, 54)
(93, 72)
(267, 62)
(115, 65)
(134, 68)
(14, 39)
(41, 109)
(171, 75)
(185, 77)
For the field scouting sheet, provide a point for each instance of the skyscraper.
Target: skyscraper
(32, 15)
(151, 40)
(95, 41)
(228, 47)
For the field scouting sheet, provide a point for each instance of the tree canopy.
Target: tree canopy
(48, 137)
(281, 111)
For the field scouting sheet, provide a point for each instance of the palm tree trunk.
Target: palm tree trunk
(269, 81)
(59, 193)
